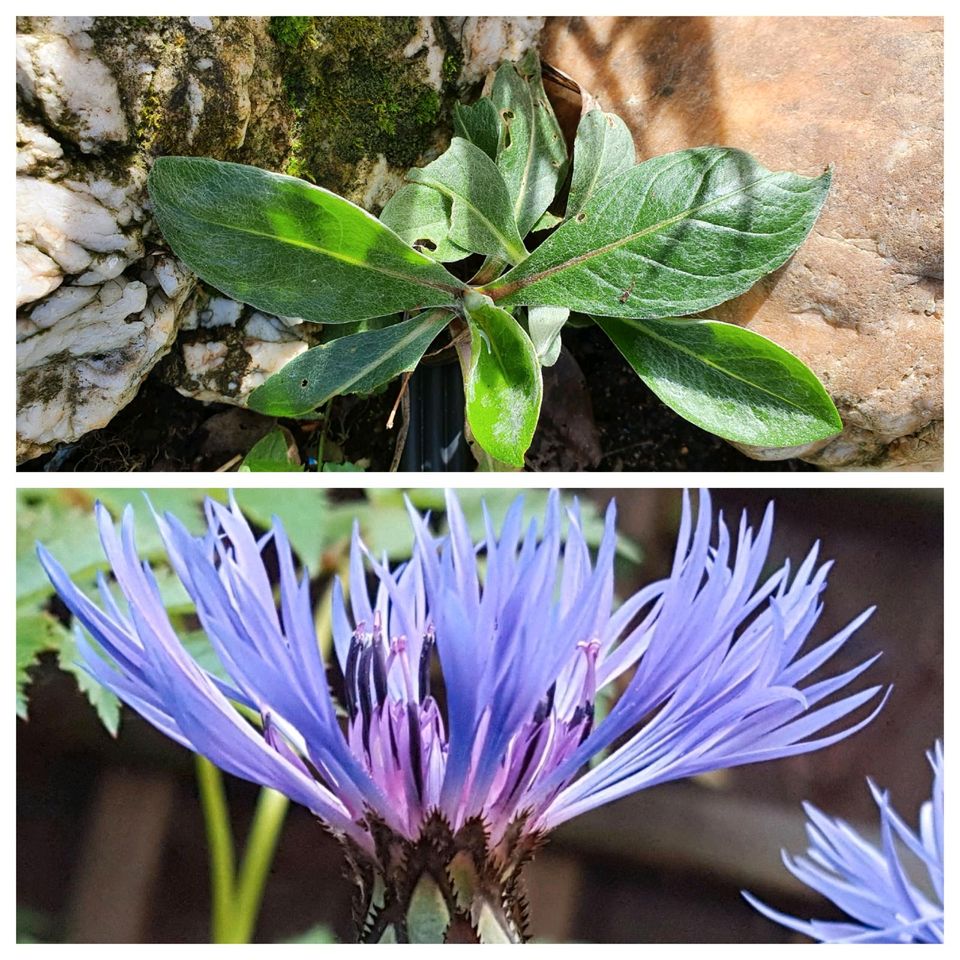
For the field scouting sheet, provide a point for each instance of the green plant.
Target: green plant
(638, 249)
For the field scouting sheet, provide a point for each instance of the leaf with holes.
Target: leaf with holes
(355, 364)
(532, 154)
(288, 247)
(727, 380)
(670, 237)
(502, 381)
(481, 218)
(420, 216)
(603, 148)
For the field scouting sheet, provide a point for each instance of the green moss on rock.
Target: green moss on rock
(356, 95)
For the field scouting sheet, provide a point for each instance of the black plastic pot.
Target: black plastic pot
(435, 440)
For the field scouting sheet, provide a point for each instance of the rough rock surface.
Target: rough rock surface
(861, 301)
(99, 97)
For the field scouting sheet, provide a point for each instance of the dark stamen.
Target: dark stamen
(379, 671)
(350, 675)
(416, 756)
(588, 713)
(426, 650)
(363, 688)
(394, 749)
(524, 766)
(545, 705)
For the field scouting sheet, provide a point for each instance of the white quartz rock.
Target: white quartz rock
(35, 147)
(69, 226)
(76, 373)
(37, 274)
(75, 90)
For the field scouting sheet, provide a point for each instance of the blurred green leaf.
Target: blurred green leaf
(37, 633)
(101, 699)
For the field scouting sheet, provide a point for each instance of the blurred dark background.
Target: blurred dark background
(110, 838)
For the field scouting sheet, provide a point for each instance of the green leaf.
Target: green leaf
(603, 148)
(479, 123)
(198, 645)
(546, 222)
(272, 454)
(37, 633)
(532, 154)
(420, 216)
(727, 380)
(355, 364)
(288, 247)
(481, 217)
(544, 325)
(670, 237)
(101, 699)
(502, 382)
(345, 467)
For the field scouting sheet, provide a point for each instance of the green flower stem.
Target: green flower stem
(258, 856)
(220, 841)
(237, 898)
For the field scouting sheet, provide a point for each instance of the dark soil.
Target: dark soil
(637, 431)
(629, 429)
(160, 430)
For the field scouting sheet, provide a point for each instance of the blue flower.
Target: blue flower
(869, 884)
(707, 662)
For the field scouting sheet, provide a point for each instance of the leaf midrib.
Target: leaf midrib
(343, 258)
(496, 292)
(641, 326)
(531, 149)
(432, 319)
(516, 253)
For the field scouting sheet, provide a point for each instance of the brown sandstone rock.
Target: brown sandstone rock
(861, 301)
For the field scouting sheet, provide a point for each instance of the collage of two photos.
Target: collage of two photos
(646, 697)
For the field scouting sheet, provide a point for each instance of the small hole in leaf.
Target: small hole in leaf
(424, 244)
(507, 115)
(304, 384)
(581, 217)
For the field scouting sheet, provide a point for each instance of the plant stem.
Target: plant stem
(488, 272)
(220, 841)
(323, 435)
(258, 856)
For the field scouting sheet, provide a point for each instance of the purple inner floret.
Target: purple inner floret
(705, 666)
